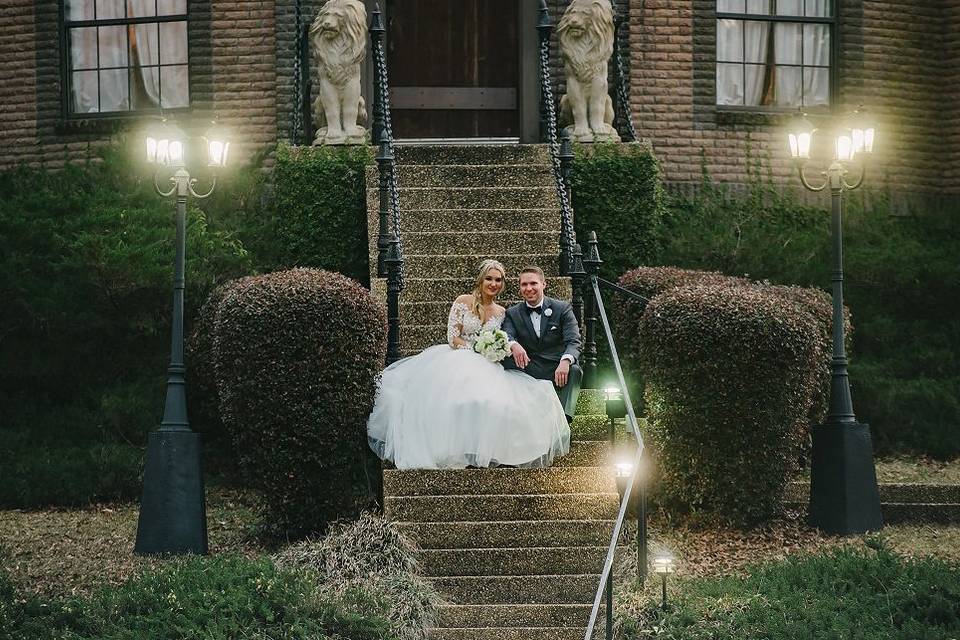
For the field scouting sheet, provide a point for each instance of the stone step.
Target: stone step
(472, 508)
(462, 266)
(471, 175)
(512, 561)
(439, 154)
(510, 219)
(592, 402)
(514, 615)
(514, 633)
(559, 589)
(596, 453)
(412, 199)
(446, 290)
(444, 482)
(517, 533)
(893, 492)
(417, 337)
(470, 242)
(431, 313)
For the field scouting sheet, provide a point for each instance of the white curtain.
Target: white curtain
(756, 37)
(729, 50)
(816, 52)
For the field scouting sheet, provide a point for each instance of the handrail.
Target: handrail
(606, 575)
(619, 289)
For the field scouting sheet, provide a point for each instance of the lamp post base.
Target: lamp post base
(844, 497)
(173, 514)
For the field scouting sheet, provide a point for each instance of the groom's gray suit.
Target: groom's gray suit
(559, 335)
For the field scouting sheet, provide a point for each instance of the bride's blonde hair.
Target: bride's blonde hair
(485, 267)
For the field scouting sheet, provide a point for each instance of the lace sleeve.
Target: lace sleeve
(455, 323)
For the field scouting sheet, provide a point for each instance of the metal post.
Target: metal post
(566, 172)
(592, 265)
(385, 165)
(394, 264)
(841, 403)
(577, 279)
(663, 582)
(377, 32)
(610, 605)
(172, 509)
(544, 29)
(641, 526)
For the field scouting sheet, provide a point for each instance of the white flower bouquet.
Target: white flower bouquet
(492, 344)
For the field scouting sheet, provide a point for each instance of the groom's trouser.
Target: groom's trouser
(568, 393)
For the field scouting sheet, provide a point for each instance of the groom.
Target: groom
(544, 339)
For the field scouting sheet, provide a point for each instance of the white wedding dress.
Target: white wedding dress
(448, 408)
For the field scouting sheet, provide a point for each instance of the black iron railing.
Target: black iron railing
(389, 240)
(623, 119)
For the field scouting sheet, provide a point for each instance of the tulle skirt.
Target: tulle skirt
(451, 408)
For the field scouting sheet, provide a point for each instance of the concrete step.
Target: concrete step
(446, 290)
(592, 402)
(471, 175)
(586, 453)
(509, 219)
(590, 427)
(428, 313)
(513, 633)
(514, 615)
(506, 534)
(440, 154)
(472, 242)
(560, 589)
(512, 561)
(472, 508)
(446, 266)
(444, 482)
(413, 199)
(417, 337)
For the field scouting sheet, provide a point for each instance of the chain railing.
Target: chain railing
(548, 114)
(389, 241)
(296, 132)
(622, 114)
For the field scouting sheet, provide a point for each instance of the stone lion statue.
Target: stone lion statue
(338, 46)
(586, 43)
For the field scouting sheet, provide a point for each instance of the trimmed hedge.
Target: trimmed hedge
(296, 354)
(731, 372)
(617, 192)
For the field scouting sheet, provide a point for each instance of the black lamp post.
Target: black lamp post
(172, 510)
(844, 498)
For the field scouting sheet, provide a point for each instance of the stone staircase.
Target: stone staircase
(516, 553)
(460, 205)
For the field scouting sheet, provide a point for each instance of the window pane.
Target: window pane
(760, 7)
(171, 7)
(144, 49)
(173, 43)
(730, 6)
(143, 8)
(816, 87)
(83, 86)
(787, 36)
(753, 85)
(79, 10)
(729, 40)
(818, 8)
(788, 86)
(145, 87)
(174, 87)
(756, 35)
(83, 48)
(816, 44)
(730, 84)
(789, 7)
(107, 9)
(113, 90)
(113, 46)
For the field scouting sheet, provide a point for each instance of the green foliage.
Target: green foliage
(841, 594)
(371, 556)
(295, 356)
(617, 192)
(321, 209)
(731, 375)
(218, 598)
(902, 284)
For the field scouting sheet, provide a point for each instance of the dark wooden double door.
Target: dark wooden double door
(455, 68)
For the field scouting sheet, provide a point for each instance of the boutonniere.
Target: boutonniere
(548, 312)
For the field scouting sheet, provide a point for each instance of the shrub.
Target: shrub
(845, 593)
(321, 209)
(296, 356)
(730, 374)
(617, 192)
(370, 555)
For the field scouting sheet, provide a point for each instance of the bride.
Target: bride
(449, 407)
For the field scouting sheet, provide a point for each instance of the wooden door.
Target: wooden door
(454, 68)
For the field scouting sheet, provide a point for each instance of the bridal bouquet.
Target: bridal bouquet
(492, 344)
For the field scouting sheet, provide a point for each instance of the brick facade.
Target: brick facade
(898, 57)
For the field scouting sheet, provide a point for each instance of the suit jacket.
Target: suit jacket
(559, 332)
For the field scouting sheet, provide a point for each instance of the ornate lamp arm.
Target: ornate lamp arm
(806, 183)
(193, 181)
(856, 183)
(161, 192)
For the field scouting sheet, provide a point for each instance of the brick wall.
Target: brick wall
(951, 96)
(891, 59)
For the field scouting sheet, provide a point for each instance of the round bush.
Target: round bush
(296, 355)
(730, 372)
